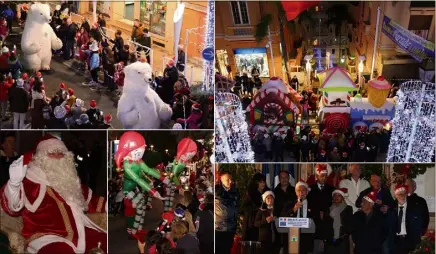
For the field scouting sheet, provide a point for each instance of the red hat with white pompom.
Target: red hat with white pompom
(341, 191)
(107, 119)
(321, 169)
(371, 197)
(62, 86)
(196, 106)
(93, 104)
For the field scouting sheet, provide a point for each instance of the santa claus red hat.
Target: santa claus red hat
(401, 189)
(129, 142)
(302, 183)
(71, 91)
(29, 155)
(321, 169)
(62, 86)
(196, 106)
(171, 62)
(93, 104)
(24, 76)
(322, 152)
(341, 191)
(371, 197)
(200, 198)
(38, 74)
(51, 144)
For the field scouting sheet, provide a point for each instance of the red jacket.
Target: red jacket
(4, 87)
(4, 60)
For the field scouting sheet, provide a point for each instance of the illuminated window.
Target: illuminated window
(240, 12)
(153, 15)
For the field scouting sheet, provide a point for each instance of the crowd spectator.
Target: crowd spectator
(137, 30)
(8, 155)
(265, 222)
(180, 58)
(19, 103)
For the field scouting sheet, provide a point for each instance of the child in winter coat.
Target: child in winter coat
(268, 235)
(14, 66)
(5, 84)
(194, 119)
(94, 63)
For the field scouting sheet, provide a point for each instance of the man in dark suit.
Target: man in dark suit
(284, 193)
(300, 208)
(419, 202)
(383, 203)
(320, 196)
(369, 228)
(409, 223)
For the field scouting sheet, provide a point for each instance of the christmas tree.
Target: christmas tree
(232, 141)
(413, 127)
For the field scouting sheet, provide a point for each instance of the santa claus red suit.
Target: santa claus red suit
(48, 194)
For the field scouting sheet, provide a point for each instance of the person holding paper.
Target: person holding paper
(268, 234)
(369, 227)
(300, 208)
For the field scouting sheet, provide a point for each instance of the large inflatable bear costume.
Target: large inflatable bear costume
(140, 107)
(38, 38)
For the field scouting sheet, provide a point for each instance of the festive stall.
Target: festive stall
(275, 107)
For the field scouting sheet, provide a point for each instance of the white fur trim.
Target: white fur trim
(321, 172)
(89, 196)
(39, 243)
(50, 144)
(266, 194)
(368, 199)
(340, 192)
(302, 184)
(402, 189)
(33, 207)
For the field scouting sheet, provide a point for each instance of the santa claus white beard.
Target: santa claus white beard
(62, 177)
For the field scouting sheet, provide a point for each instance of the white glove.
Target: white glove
(17, 171)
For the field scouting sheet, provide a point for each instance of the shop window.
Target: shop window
(153, 15)
(240, 12)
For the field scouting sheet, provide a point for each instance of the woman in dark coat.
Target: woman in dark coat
(336, 226)
(39, 101)
(265, 222)
(250, 206)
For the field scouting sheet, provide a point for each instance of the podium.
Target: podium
(294, 227)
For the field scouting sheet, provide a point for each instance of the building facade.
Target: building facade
(235, 44)
(391, 61)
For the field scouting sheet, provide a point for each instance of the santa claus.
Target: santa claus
(48, 194)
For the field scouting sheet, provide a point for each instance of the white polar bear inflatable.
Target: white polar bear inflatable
(38, 38)
(140, 107)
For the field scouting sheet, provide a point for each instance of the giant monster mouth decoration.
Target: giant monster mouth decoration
(272, 113)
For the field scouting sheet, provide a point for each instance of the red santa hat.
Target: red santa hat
(371, 197)
(200, 198)
(302, 183)
(24, 76)
(29, 155)
(38, 74)
(321, 169)
(51, 144)
(341, 191)
(196, 106)
(129, 142)
(323, 152)
(71, 91)
(171, 62)
(93, 104)
(62, 86)
(401, 189)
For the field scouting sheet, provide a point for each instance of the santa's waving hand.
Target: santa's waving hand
(48, 194)
(17, 172)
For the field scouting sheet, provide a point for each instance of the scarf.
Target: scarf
(335, 213)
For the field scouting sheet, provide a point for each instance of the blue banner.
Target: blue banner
(248, 51)
(416, 46)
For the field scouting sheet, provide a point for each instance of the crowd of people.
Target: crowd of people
(358, 215)
(104, 59)
(190, 230)
(360, 145)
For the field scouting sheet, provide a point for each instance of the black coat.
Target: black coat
(341, 245)
(267, 231)
(415, 223)
(384, 195)
(282, 198)
(421, 204)
(251, 204)
(360, 155)
(321, 202)
(368, 237)
(18, 100)
(118, 44)
(306, 240)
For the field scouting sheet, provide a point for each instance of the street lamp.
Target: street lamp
(360, 69)
(308, 68)
(151, 147)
